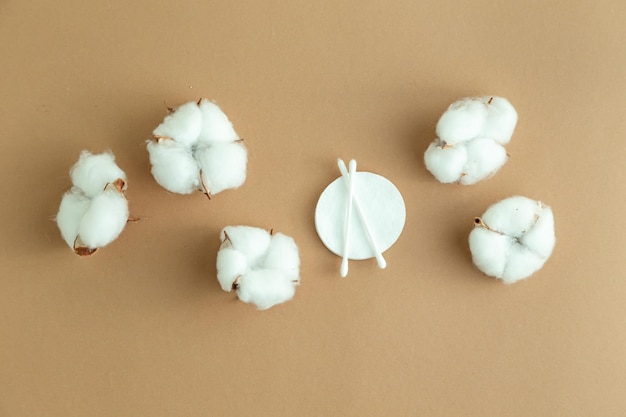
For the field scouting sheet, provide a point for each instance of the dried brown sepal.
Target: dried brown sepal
(81, 250)
(272, 232)
(120, 185)
(235, 285)
(170, 110)
(205, 189)
(240, 140)
(132, 219)
(161, 138)
(226, 237)
(490, 100)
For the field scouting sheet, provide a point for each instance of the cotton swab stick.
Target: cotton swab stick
(346, 226)
(382, 264)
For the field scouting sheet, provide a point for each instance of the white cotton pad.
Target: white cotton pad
(266, 288)
(513, 239)
(105, 219)
(183, 125)
(173, 166)
(93, 172)
(471, 133)
(263, 267)
(74, 205)
(222, 165)
(215, 124)
(382, 206)
(231, 264)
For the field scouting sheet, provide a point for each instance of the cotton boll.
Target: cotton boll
(215, 124)
(231, 264)
(173, 166)
(283, 254)
(74, 205)
(513, 216)
(183, 125)
(266, 288)
(93, 172)
(484, 158)
(223, 166)
(446, 164)
(105, 219)
(513, 239)
(462, 121)
(252, 242)
(501, 119)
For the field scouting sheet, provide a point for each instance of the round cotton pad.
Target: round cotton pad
(381, 204)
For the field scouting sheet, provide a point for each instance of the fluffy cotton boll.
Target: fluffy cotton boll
(446, 164)
(74, 205)
(231, 264)
(223, 166)
(484, 158)
(183, 125)
(501, 119)
(265, 288)
(105, 219)
(173, 166)
(283, 254)
(513, 239)
(252, 242)
(93, 172)
(462, 121)
(215, 124)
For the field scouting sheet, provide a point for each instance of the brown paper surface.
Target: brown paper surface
(143, 329)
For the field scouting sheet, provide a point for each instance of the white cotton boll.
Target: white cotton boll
(223, 166)
(462, 121)
(501, 119)
(105, 219)
(183, 125)
(283, 254)
(93, 172)
(231, 264)
(173, 166)
(484, 158)
(513, 216)
(252, 242)
(215, 124)
(74, 205)
(266, 288)
(445, 164)
(513, 239)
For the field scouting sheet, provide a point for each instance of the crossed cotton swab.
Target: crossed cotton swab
(348, 177)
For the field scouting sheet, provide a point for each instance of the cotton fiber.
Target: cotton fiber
(262, 267)
(513, 239)
(471, 134)
(94, 211)
(196, 148)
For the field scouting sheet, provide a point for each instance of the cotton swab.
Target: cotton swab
(346, 226)
(382, 264)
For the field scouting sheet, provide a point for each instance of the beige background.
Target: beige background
(142, 328)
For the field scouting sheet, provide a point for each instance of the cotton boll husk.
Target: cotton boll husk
(105, 219)
(484, 158)
(447, 164)
(512, 216)
(501, 119)
(230, 264)
(283, 254)
(74, 205)
(183, 125)
(173, 166)
(252, 242)
(223, 166)
(266, 288)
(540, 238)
(489, 250)
(215, 124)
(462, 121)
(92, 173)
